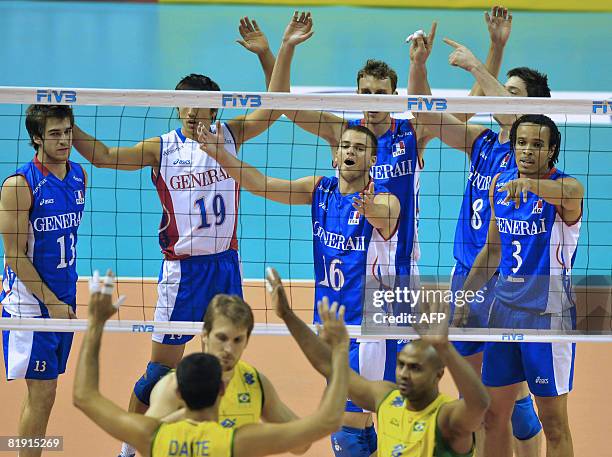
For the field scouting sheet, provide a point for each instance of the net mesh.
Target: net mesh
(123, 210)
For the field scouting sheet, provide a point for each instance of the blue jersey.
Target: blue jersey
(345, 249)
(55, 216)
(397, 171)
(488, 157)
(537, 251)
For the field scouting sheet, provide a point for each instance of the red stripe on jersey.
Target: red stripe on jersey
(169, 230)
(234, 242)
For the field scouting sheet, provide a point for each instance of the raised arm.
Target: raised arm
(131, 428)
(15, 204)
(296, 192)
(453, 132)
(265, 439)
(464, 58)
(249, 126)
(255, 41)
(566, 194)
(381, 210)
(143, 154)
(457, 420)
(324, 125)
(487, 260)
(367, 394)
(499, 25)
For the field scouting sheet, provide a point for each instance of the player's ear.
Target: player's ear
(37, 140)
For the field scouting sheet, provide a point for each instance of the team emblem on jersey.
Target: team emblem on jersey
(399, 148)
(249, 378)
(244, 397)
(79, 197)
(398, 450)
(398, 402)
(505, 161)
(228, 423)
(537, 207)
(354, 218)
(419, 426)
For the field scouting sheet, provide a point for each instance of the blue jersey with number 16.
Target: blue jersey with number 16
(55, 216)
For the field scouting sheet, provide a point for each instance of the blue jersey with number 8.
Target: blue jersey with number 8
(55, 216)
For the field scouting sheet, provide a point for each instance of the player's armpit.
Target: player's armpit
(368, 394)
(457, 434)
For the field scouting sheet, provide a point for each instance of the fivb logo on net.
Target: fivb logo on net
(602, 106)
(427, 104)
(240, 100)
(55, 96)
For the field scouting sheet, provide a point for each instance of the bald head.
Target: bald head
(424, 352)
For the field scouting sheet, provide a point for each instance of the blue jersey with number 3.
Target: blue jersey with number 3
(537, 251)
(55, 216)
(488, 157)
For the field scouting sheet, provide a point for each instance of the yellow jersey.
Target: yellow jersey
(406, 433)
(192, 439)
(243, 399)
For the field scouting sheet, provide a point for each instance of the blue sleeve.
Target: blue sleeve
(486, 140)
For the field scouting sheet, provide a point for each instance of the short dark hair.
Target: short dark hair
(232, 307)
(37, 115)
(536, 82)
(380, 70)
(368, 132)
(196, 81)
(199, 380)
(554, 142)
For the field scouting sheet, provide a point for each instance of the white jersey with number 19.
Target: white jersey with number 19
(199, 199)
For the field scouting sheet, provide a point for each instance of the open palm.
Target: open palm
(299, 29)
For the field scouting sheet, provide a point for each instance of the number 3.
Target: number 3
(516, 255)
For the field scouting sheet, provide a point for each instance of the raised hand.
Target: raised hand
(299, 29)
(421, 45)
(499, 23)
(211, 143)
(332, 331)
(461, 56)
(518, 188)
(253, 39)
(432, 321)
(365, 202)
(277, 293)
(101, 306)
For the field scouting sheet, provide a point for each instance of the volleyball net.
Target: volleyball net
(119, 226)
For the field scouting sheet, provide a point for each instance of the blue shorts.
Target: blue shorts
(187, 286)
(374, 360)
(548, 368)
(479, 310)
(35, 355)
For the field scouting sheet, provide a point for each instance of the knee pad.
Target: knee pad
(144, 386)
(525, 422)
(350, 442)
(371, 439)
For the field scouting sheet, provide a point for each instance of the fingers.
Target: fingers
(432, 34)
(341, 312)
(273, 279)
(487, 17)
(256, 26)
(452, 43)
